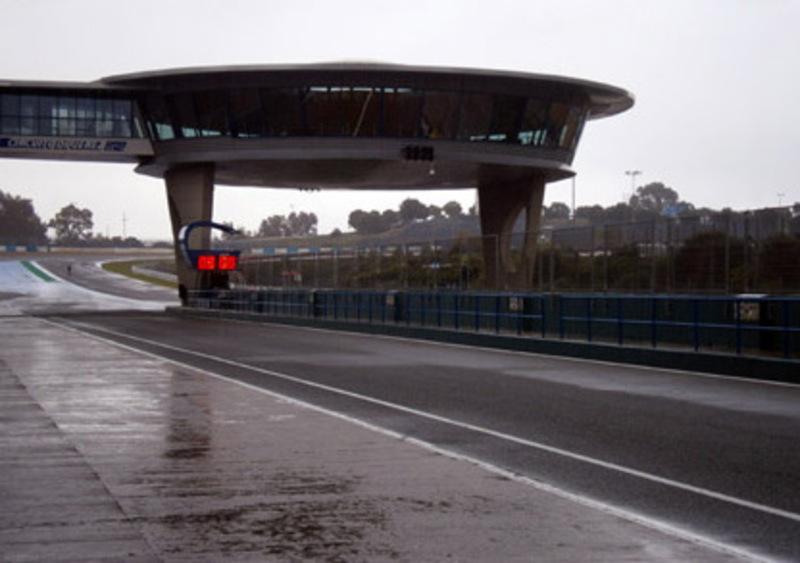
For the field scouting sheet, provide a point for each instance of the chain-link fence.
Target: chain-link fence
(750, 252)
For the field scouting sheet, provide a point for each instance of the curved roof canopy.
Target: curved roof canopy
(604, 100)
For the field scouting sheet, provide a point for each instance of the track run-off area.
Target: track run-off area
(711, 460)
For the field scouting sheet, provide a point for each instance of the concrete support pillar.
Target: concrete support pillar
(504, 193)
(190, 195)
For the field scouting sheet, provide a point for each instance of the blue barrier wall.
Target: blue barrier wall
(736, 325)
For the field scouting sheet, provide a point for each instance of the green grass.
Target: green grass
(125, 268)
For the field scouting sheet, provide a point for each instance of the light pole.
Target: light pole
(573, 198)
(633, 174)
(780, 198)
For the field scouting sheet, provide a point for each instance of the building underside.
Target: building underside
(351, 126)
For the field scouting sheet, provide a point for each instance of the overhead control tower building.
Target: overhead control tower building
(349, 125)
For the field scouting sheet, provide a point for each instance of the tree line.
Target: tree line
(20, 225)
(410, 211)
(648, 202)
(73, 226)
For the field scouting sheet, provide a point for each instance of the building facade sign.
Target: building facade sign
(90, 148)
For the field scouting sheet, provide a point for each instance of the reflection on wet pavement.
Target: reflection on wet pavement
(190, 459)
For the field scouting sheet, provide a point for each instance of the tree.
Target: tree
(452, 209)
(373, 222)
(413, 210)
(72, 224)
(272, 227)
(114, 242)
(794, 222)
(19, 223)
(390, 219)
(556, 210)
(701, 262)
(295, 225)
(780, 262)
(366, 222)
(619, 213)
(238, 232)
(301, 224)
(653, 200)
(434, 212)
(593, 214)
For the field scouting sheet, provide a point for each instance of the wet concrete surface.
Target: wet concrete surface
(110, 454)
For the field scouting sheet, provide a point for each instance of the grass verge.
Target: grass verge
(125, 268)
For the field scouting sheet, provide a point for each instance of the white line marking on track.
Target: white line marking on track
(640, 519)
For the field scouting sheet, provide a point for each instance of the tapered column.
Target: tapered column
(190, 195)
(504, 193)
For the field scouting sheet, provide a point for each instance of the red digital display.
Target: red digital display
(227, 262)
(206, 262)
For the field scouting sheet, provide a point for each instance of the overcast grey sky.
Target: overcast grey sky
(717, 84)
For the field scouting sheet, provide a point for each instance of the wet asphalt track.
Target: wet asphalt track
(714, 456)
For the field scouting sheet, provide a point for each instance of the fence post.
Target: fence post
(738, 315)
(588, 319)
(476, 313)
(786, 333)
(592, 259)
(653, 256)
(654, 322)
(727, 284)
(496, 262)
(497, 314)
(543, 309)
(605, 258)
(316, 268)
(335, 267)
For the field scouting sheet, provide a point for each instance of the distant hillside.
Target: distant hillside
(433, 230)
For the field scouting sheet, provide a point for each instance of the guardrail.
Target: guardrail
(741, 325)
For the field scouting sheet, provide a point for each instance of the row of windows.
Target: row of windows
(314, 111)
(70, 116)
(365, 112)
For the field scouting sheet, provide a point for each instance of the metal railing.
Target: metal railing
(740, 325)
(707, 253)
